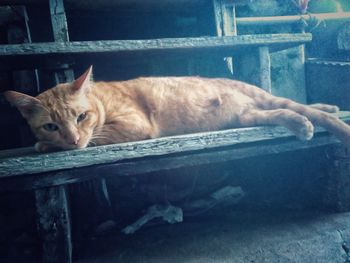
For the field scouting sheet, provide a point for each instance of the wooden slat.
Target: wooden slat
(265, 69)
(159, 163)
(54, 224)
(58, 20)
(41, 163)
(225, 44)
(276, 20)
(92, 4)
(52, 204)
(225, 21)
(60, 34)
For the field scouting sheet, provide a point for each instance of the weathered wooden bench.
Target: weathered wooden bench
(49, 174)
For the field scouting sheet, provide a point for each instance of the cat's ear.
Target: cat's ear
(83, 83)
(27, 105)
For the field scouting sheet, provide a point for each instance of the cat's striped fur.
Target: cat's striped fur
(82, 113)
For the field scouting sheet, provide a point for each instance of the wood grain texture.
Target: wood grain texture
(93, 4)
(265, 68)
(337, 194)
(225, 44)
(159, 163)
(58, 20)
(53, 162)
(54, 224)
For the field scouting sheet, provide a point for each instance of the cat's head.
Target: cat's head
(63, 116)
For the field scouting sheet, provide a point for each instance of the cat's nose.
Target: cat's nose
(74, 140)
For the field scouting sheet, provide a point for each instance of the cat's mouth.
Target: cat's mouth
(47, 146)
(79, 145)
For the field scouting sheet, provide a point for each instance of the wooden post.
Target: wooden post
(52, 203)
(337, 194)
(264, 69)
(54, 224)
(225, 20)
(60, 34)
(64, 74)
(59, 20)
(226, 25)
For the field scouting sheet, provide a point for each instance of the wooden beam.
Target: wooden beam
(264, 68)
(227, 44)
(136, 166)
(225, 20)
(43, 163)
(58, 20)
(91, 4)
(337, 194)
(60, 34)
(275, 20)
(54, 224)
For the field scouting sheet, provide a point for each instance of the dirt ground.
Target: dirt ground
(232, 236)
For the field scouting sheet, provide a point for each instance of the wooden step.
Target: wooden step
(42, 170)
(225, 44)
(103, 4)
(32, 53)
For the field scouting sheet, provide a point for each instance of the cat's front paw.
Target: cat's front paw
(306, 131)
(44, 147)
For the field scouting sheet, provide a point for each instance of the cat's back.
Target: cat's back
(186, 104)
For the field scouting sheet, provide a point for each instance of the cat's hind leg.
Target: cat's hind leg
(295, 122)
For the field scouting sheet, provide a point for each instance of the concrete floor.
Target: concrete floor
(230, 237)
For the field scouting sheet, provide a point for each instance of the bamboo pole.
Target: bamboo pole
(272, 20)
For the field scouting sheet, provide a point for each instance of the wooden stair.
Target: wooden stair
(49, 174)
(223, 45)
(46, 170)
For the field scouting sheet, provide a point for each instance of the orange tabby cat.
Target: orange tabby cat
(82, 113)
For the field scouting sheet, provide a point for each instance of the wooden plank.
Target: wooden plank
(40, 163)
(160, 163)
(337, 194)
(58, 20)
(54, 224)
(264, 69)
(225, 20)
(226, 44)
(60, 34)
(258, 61)
(275, 20)
(92, 4)
(217, 6)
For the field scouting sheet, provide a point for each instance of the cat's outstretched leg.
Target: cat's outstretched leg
(325, 107)
(295, 122)
(318, 117)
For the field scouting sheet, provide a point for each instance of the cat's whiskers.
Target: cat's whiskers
(99, 136)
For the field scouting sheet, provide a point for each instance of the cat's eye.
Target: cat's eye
(51, 127)
(81, 117)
